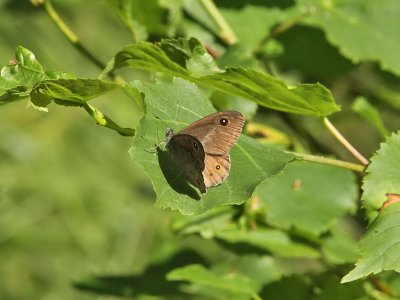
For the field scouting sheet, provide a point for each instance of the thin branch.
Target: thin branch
(68, 33)
(330, 161)
(225, 31)
(332, 129)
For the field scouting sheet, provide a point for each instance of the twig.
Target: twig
(332, 129)
(105, 121)
(68, 33)
(330, 161)
(226, 33)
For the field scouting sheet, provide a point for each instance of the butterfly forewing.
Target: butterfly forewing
(201, 150)
(217, 132)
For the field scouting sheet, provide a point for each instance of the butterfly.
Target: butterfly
(201, 149)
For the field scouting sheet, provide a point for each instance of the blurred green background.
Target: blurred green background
(72, 203)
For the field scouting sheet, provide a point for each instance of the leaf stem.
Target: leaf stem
(105, 121)
(68, 33)
(330, 161)
(226, 33)
(344, 142)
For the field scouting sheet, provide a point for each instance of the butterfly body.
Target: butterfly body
(201, 149)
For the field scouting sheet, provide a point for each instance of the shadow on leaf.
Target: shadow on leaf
(151, 282)
(174, 176)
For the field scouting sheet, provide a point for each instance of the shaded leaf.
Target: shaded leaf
(70, 92)
(154, 17)
(272, 240)
(151, 281)
(230, 282)
(370, 114)
(339, 247)
(219, 224)
(301, 45)
(259, 20)
(292, 288)
(308, 196)
(380, 247)
(176, 105)
(363, 30)
(260, 269)
(254, 270)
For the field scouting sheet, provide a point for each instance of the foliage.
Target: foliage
(77, 217)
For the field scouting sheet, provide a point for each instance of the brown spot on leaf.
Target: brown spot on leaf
(391, 198)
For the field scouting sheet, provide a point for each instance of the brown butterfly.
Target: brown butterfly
(202, 149)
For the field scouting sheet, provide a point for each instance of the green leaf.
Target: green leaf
(297, 42)
(383, 176)
(272, 240)
(219, 224)
(166, 57)
(259, 19)
(154, 17)
(19, 78)
(223, 101)
(254, 270)
(238, 55)
(330, 288)
(260, 269)
(339, 247)
(207, 224)
(380, 247)
(370, 114)
(196, 10)
(230, 282)
(308, 196)
(152, 57)
(306, 99)
(292, 288)
(176, 105)
(363, 30)
(190, 54)
(70, 92)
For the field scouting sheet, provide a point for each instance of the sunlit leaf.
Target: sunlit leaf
(18, 78)
(176, 105)
(264, 89)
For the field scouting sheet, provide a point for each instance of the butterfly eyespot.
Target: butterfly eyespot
(211, 174)
(223, 121)
(218, 167)
(195, 145)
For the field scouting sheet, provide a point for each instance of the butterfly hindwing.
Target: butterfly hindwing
(188, 154)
